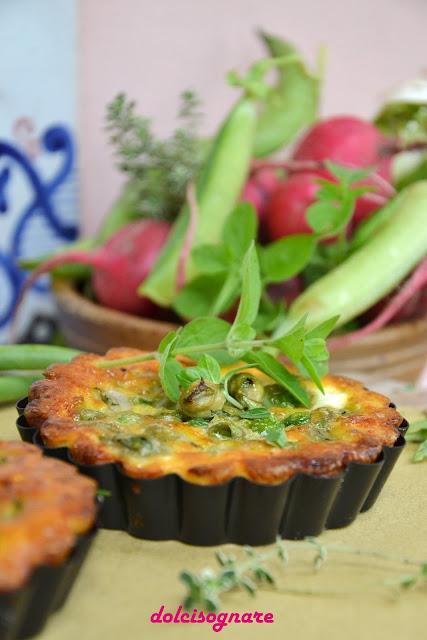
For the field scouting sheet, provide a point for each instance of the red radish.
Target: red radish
(414, 308)
(259, 188)
(345, 140)
(285, 213)
(119, 266)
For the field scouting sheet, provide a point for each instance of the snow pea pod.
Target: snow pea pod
(33, 356)
(218, 188)
(12, 388)
(291, 105)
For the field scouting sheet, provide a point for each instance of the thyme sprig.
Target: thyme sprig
(158, 169)
(204, 590)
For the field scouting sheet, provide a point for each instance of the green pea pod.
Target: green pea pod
(292, 104)
(12, 388)
(371, 225)
(218, 189)
(374, 270)
(33, 356)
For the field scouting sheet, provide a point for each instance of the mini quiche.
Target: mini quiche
(256, 430)
(45, 504)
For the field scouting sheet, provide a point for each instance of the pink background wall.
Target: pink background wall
(153, 49)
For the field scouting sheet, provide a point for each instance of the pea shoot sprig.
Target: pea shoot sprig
(417, 432)
(211, 342)
(204, 590)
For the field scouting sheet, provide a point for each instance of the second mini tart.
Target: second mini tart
(47, 518)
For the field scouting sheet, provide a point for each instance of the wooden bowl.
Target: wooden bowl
(90, 327)
(398, 351)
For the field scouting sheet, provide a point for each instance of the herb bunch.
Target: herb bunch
(204, 590)
(158, 169)
(211, 342)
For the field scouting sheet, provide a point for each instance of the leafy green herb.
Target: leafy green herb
(276, 435)
(158, 169)
(286, 257)
(417, 432)
(307, 349)
(255, 414)
(335, 201)
(247, 312)
(212, 341)
(296, 418)
(198, 422)
(169, 367)
(103, 493)
(421, 452)
(207, 369)
(278, 372)
(205, 590)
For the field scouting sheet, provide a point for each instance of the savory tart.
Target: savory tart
(45, 504)
(121, 415)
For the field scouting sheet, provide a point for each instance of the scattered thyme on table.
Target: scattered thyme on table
(205, 590)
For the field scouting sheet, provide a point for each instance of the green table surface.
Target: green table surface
(125, 580)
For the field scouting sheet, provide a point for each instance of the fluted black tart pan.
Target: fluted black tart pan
(239, 511)
(25, 611)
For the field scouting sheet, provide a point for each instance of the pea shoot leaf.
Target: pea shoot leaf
(307, 349)
(417, 431)
(249, 302)
(336, 200)
(270, 315)
(240, 230)
(347, 176)
(323, 329)
(187, 375)
(197, 297)
(286, 257)
(275, 369)
(203, 331)
(210, 366)
(207, 369)
(421, 452)
(276, 435)
(209, 258)
(169, 367)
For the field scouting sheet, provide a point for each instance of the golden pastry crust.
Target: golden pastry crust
(348, 424)
(44, 505)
